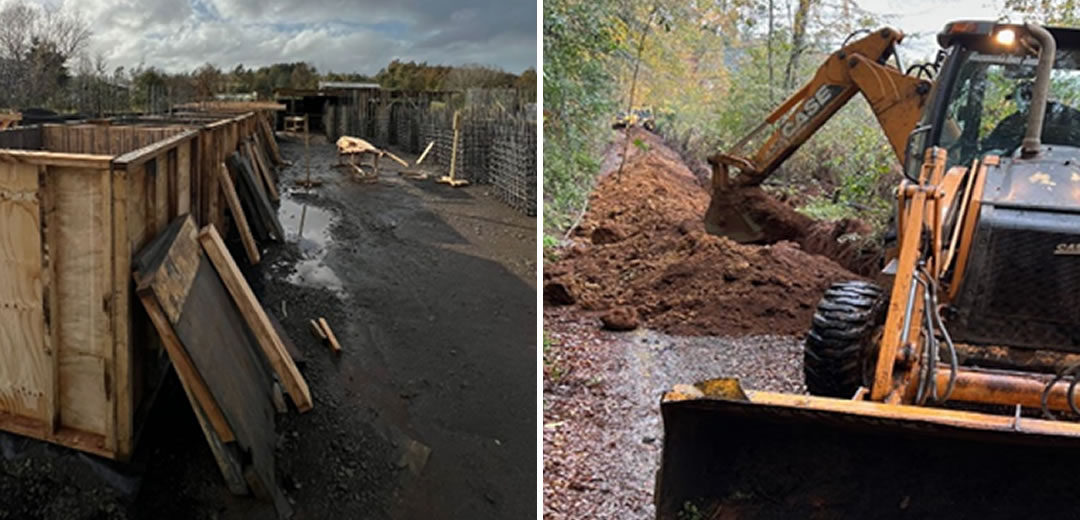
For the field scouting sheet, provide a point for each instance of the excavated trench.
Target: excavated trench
(641, 254)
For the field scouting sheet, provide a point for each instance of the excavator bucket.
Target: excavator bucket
(727, 217)
(730, 453)
(749, 215)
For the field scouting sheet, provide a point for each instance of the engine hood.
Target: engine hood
(1050, 181)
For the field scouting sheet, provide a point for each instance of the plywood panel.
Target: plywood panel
(25, 373)
(83, 265)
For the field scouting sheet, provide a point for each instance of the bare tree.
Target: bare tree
(38, 43)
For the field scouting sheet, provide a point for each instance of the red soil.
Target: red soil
(642, 244)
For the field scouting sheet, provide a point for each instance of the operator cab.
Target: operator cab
(983, 94)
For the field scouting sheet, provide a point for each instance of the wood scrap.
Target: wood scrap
(304, 183)
(423, 155)
(330, 337)
(414, 174)
(255, 317)
(457, 183)
(354, 146)
(317, 330)
(250, 248)
(396, 158)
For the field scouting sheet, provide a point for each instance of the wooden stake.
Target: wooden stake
(449, 179)
(423, 155)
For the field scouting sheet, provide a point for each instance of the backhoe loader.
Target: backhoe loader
(964, 367)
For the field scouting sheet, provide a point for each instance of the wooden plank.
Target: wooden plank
(318, 330)
(72, 160)
(123, 328)
(334, 345)
(173, 204)
(171, 279)
(83, 251)
(396, 158)
(228, 461)
(49, 300)
(229, 190)
(26, 370)
(256, 319)
(184, 176)
(75, 439)
(262, 170)
(141, 155)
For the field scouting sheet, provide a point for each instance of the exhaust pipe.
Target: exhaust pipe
(1047, 51)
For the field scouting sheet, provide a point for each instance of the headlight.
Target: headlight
(1005, 37)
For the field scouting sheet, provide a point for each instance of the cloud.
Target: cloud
(339, 35)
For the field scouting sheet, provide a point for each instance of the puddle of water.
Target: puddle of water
(308, 227)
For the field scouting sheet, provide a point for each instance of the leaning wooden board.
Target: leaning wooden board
(219, 352)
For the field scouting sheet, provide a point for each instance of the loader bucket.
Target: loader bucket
(734, 454)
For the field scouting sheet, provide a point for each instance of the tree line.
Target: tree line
(711, 71)
(45, 63)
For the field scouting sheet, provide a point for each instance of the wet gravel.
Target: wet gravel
(602, 428)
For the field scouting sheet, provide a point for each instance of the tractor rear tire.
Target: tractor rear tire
(841, 338)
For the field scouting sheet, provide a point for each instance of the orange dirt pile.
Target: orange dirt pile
(642, 244)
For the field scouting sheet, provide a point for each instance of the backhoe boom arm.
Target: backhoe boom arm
(861, 66)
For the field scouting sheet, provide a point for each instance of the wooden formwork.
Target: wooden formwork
(77, 355)
(219, 134)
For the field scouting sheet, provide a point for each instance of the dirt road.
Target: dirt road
(602, 429)
(431, 292)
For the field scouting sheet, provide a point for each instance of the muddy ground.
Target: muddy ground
(431, 292)
(687, 307)
(602, 432)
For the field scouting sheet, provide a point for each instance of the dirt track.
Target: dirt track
(741, 311)
(431, 292)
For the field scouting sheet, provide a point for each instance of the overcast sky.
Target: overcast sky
(921, 20)
(339, 35)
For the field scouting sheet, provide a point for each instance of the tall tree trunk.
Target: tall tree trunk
(798, 40)
(770, 53)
